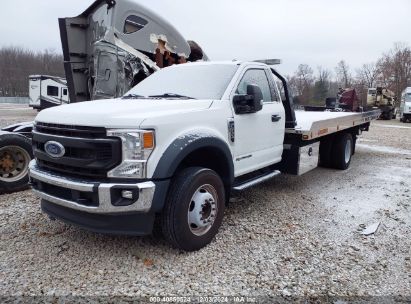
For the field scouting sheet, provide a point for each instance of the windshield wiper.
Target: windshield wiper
(171, 95)
(133, 96)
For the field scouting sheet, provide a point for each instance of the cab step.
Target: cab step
(255, 181)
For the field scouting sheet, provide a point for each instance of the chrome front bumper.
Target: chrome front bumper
(102, 190)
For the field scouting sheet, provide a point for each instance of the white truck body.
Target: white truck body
(222, 122)
(47, 91)
(405, 105)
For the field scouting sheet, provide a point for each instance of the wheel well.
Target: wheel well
(211, 158)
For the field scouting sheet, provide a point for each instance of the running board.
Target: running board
(256, 181)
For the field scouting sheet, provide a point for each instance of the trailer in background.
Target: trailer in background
(47, 91)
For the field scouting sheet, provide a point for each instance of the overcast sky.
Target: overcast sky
(316, 32)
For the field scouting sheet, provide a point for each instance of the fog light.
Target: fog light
(127, 194)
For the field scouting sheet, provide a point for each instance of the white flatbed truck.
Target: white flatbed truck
(176, 146)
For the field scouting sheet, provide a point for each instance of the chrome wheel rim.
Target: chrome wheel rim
(202, 210)
(348, 151)
(14, 163)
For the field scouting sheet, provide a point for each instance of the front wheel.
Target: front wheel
(15, 156)
(194, 209)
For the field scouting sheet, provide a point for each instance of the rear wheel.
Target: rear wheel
(194, 209)
(325, 152)
(342, 151)
(354, 144)
(15, 156)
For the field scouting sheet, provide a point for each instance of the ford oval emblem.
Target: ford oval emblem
(54, 149)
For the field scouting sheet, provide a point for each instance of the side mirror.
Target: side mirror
(252, 102)
(257, 93)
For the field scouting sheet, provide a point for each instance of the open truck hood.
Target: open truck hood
(115, 44)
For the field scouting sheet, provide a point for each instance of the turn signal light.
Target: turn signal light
(148, 140)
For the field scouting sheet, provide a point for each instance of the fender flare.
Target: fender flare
(185, 145)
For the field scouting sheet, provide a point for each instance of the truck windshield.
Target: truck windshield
(194, 81)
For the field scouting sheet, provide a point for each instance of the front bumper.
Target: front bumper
(91, 197)
(132, 224)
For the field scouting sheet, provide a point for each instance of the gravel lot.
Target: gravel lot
(292, 236)
(15, 113)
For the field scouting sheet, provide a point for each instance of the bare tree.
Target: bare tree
(322, 84)
(304, 79)
(395, 67)
(343, 74)
(368, 75)
(393, 70)
(16, 64)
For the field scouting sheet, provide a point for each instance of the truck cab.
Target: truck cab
(176, 145)
(113, 45)
(405, 105)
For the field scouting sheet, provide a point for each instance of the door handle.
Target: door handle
(275, 118)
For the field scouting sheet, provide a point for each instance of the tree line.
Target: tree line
(17, 64)
(392, 70)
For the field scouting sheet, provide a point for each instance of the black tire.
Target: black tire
(15, 155)
(175, 216)
(341, 159)
(354, 144)
(325, 152)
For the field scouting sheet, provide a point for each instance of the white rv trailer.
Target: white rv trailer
(47, 91)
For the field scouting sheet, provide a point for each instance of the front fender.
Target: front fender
(185, 145)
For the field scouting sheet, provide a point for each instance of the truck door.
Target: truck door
(259, 137)
(64, 95)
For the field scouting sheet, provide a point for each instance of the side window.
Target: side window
(257, 77)
(65, 92)
(52, 91)
(280, 91)
(275, 90)
(133, 24)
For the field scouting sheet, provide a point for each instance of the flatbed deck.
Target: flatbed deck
(312, 125)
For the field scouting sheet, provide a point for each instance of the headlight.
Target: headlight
(137, 146)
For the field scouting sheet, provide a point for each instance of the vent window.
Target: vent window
(134, 24)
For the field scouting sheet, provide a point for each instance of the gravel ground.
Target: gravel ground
(292, 236)
(15, 113)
